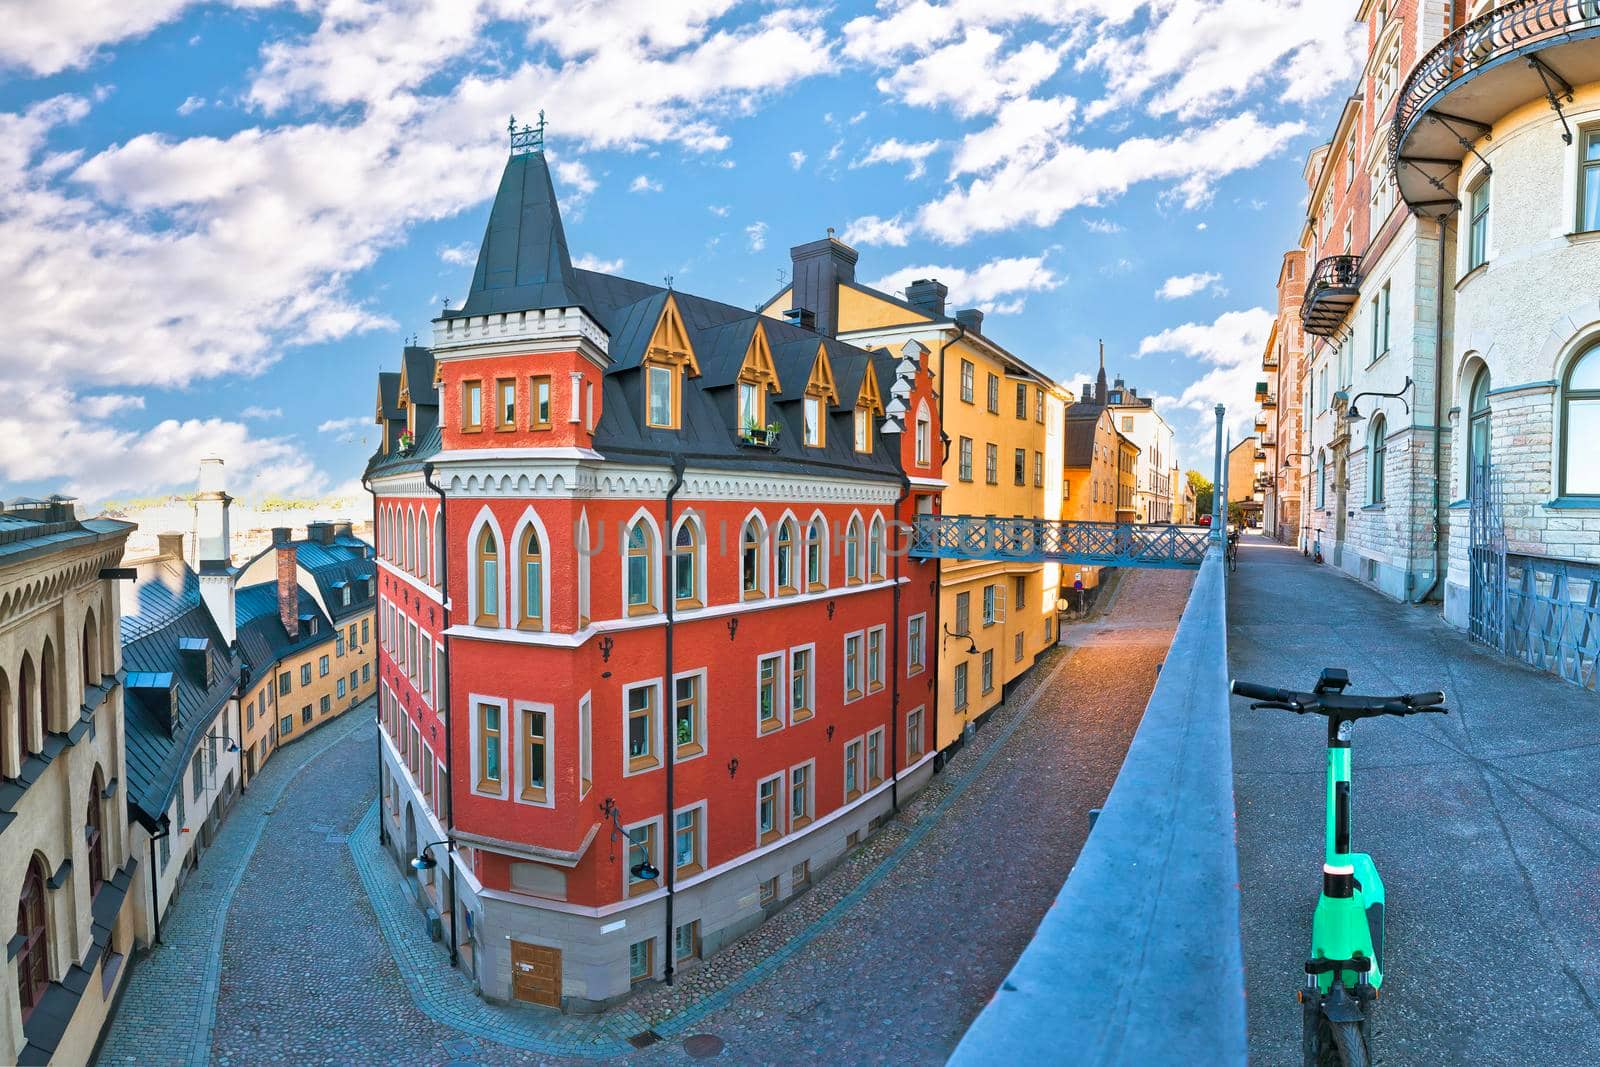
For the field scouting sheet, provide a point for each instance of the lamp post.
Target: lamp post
(1217, 486)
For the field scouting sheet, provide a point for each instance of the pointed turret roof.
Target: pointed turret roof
(523, 264)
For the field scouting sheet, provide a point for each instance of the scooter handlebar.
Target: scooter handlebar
(1262, 692)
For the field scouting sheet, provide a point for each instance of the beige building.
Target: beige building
(66, 858)
(1003, 423)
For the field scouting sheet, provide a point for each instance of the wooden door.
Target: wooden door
(536, 974)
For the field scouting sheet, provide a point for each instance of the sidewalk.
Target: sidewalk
(1485, 825)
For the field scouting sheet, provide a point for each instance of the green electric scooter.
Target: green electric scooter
(1345, 971)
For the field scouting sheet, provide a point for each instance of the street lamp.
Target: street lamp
(644, 870)
(972, 646)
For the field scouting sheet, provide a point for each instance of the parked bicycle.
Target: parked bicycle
(1232, 558)
(1345, 971)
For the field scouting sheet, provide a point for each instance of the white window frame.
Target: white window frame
(876, 683)
(701, 848)
(702, 726)
(860, 637)
(585, 745)
(810, 767)
(627, 850)
(810, 651)
(780, 683)
(506, 768)
(866, 758)
(922, 746)
(780, 820)
(917, 650)
(660, 715)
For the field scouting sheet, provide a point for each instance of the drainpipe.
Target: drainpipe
(938, 565)
(669, 866)
(155, 876)
(1438, 417)
(894, 653)
(377, 621)
(441, 681)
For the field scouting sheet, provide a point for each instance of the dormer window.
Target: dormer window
(863, 430)
(757, 377)
(666, 361)
(820, 392)
(868, 404)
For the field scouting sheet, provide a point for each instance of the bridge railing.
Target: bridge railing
(1139, 960)
(1047, 540)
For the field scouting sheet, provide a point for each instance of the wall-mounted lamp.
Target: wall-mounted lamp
(643, 871)
(972, 646)
(424, 861)
(733, 766)
(830, 610)
(606, 645)
(733, 627)
(1354, 414)
(830, 731)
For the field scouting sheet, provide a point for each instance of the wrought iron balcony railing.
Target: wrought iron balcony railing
(1333, 290)
(1427, 167)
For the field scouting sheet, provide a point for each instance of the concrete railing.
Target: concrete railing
(1139, 960)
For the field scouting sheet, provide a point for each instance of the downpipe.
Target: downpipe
(442, 682)
(668, 859)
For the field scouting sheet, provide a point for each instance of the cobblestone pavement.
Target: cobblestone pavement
(166, 1011)
(1484, 824)
(888, 958)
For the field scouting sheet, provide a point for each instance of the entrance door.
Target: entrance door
(536, 974)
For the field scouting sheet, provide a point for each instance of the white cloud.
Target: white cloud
(896, 151)
(346, 423)
(984, 286)
(48, 36)
(1037, 190)
(857, 117)
(1198, 55)
(464, 254)
(757, 233)
(1182, 285)
(1022, 127)
(1104, 226)
(872, 230)
(574, 183)
(1229, 348)
(642, 184)
(972, 76)
(595, 263)
(797, 159)
(191, 104)
(257, 412)
(719, 210)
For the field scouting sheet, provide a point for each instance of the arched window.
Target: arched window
(816, 553)
(686, 566)
(33, 959)
(486, 560)
(785, 556)
(875, 548)
(641, 576)
(853, 551)
(92, 835)
(1478, 427)
(530, 570)
(1580, 426)
(5, 717)
(423, 559)
(752, 559)
(91, 651)
(437, 568)
(1377, 453)
(1322, 480)
(408, 550)
(585, 551)
(924, 436)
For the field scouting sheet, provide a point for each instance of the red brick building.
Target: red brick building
(650, 660)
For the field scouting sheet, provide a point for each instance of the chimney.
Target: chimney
(195, 655)
(169, 545)
(288, 585)
(819, 268)
(281, 535)
(343, 529)
(972, 319)
(214, 548)
(926, 294)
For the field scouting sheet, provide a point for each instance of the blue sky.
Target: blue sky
(219, 220)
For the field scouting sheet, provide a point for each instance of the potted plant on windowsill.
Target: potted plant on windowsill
(407, 442)
(760, 436)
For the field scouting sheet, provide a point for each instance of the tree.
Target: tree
(1202, 492)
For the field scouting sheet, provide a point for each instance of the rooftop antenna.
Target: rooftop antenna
(528, 138)
(668, 279)
(783, 276)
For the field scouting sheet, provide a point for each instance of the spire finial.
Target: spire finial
(528, 138)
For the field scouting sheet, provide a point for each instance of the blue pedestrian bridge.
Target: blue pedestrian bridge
(1095, 544)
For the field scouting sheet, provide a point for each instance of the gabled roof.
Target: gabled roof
(416, 376)
(523, 262)
(159, 612)
(389, 396)
(1082, 422)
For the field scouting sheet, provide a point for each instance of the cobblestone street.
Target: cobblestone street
(1482, 823)
(888, 958)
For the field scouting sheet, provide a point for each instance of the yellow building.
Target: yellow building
(1089, 474)
(305, 625)
(1127, 479)
(1003, 425)
(1247, 468)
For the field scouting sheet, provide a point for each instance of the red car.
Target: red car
(1205, 520)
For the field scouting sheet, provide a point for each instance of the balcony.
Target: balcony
(1269, 440)
(1269, 361)
(1334, 288)
(1266, 399)
(1261, 421)
(1522, 51)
